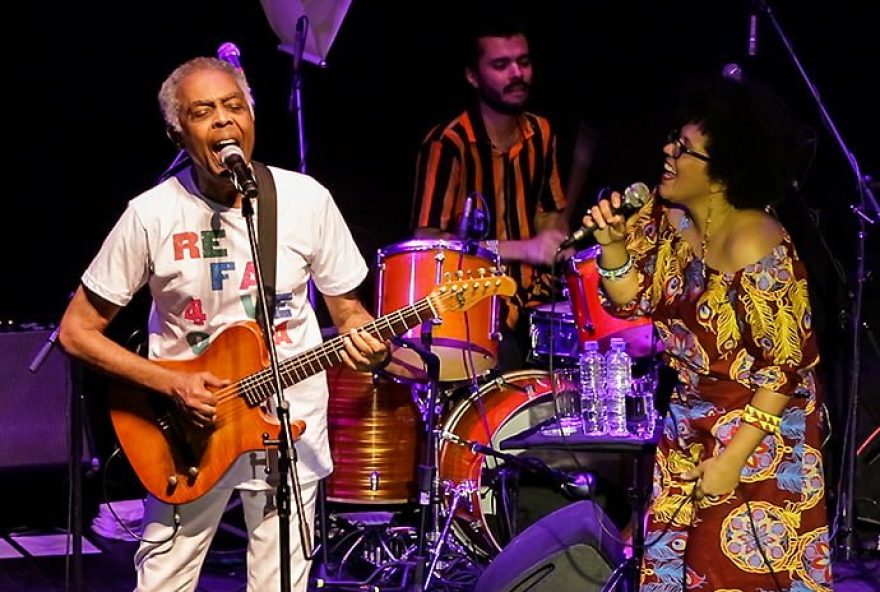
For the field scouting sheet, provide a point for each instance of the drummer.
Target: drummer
(500, 161)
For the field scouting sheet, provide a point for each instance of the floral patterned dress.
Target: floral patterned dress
(726, 334)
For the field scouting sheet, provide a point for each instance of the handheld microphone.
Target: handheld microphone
(233, 159)
(634, 197)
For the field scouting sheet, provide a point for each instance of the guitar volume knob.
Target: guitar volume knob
(172, 481)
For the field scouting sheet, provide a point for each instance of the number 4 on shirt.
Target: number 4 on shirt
(194, 313)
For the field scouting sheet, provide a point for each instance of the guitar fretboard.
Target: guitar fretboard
(258, 387)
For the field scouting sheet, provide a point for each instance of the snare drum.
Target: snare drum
(593, 322)
(465, 342)
(552, 329)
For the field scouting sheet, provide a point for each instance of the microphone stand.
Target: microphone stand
(295, 106)
(287, 456)
(867, 212)
(75, 441)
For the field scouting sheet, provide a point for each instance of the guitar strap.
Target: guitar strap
(267, 233)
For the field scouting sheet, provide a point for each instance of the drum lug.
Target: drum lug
(497, 336)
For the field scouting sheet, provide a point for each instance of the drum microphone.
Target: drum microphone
(634, 197)
(465, 225)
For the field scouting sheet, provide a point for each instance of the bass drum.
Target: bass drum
(494, 514)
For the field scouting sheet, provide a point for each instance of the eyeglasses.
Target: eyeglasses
(679, 148)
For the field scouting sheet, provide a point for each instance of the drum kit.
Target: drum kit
(431, 435)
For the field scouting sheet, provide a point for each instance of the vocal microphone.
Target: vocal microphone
(634, 197)
(228, 52)
(233, 159)
(299, 41)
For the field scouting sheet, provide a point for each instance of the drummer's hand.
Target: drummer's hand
(609, 226)
(541, 248)
(363, 352)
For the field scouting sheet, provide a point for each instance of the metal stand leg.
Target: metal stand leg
(461, 492)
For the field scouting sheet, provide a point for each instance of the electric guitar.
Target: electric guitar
(178, 462)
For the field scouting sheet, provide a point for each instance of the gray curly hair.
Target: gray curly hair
(168, 102)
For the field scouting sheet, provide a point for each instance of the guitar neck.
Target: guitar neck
(258, 386)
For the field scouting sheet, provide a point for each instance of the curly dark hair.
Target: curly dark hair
(752, 139)
(489, 18)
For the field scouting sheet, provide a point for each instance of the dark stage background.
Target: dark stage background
(85, 134)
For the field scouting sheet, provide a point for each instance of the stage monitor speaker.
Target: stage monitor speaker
(575, 548)
(34, 407)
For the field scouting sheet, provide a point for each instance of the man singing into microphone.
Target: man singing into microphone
(187, 240)
(508, 156)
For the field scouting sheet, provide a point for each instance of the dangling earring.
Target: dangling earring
(704, 242)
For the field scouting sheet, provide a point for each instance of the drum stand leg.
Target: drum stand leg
(427, 474)
(629, 570)
(461, 492)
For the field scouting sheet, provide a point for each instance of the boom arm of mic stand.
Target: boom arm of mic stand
(867, 212)
(535, 467)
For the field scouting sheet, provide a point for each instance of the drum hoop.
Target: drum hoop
(463, 406)
(456, 246)
(585, 255)
(564, 312)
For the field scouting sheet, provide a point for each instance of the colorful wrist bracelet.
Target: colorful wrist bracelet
(767, 422)
(616, 273)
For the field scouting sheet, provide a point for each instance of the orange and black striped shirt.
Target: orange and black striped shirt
(458, 158)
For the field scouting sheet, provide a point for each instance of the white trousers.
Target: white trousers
(175, 564)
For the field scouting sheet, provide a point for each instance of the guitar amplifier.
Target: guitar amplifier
(34, 407)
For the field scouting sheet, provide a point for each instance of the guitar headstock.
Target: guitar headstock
(464, 289)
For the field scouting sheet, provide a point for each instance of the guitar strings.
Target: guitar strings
(261, 378)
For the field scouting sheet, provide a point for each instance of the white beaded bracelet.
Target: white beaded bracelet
(616, 273)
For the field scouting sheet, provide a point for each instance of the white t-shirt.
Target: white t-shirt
(195, 256)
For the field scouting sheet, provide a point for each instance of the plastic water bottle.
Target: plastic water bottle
(618, 384)
(641, 419)
(592, 371)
